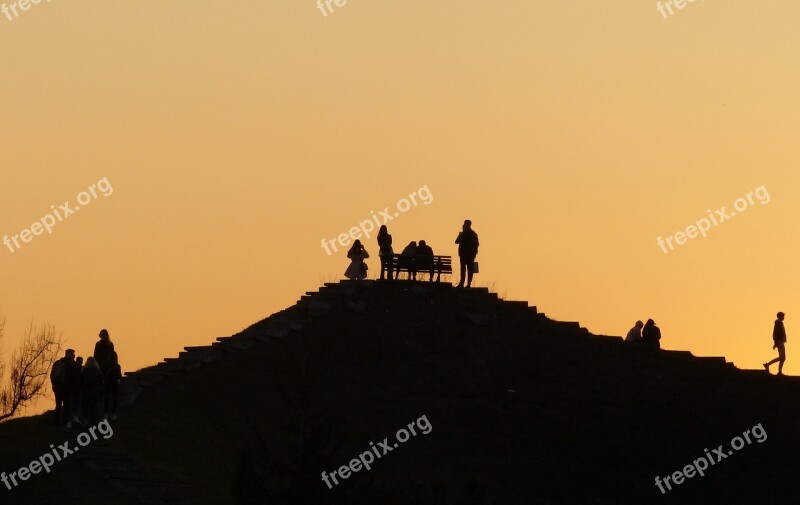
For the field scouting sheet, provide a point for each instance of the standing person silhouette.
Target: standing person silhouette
(111, 381)
(63, 387)
(357, 269)
(91, 386)
(102, 350)
(779, 339)
(468, 244)
(385, 251)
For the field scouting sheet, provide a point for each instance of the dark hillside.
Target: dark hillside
(521, 410)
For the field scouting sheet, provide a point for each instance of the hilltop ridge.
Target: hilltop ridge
(523, 409)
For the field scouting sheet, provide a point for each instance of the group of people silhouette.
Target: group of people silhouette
(79, 387)
(650, 334)
(645, 333)
(415, 257)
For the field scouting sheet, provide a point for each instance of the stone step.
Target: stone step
(229, 344)
(180, 364)
(713, 360)
(682, 354)
(205, 354)
(149, 376)
(339, 289)
(475, 291)
(609, 338)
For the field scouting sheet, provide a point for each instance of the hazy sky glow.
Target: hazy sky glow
(236, 137)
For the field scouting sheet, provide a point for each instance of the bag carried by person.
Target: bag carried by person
(475, 267)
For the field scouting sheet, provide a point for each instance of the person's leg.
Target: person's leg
(106, 402)
(58, 412)
(76, 406)
(85, 401)
(471, 270)
(781, 357)
(463, 263)
(94, 404)
(383, 267)
(114, 397)
(66, 413)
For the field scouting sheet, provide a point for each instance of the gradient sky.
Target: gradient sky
(236, 136)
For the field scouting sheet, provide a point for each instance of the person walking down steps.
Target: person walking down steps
(779, 343)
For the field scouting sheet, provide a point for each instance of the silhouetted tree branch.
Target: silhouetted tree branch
(28, 368)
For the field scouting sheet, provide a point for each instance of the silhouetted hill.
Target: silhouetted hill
(523, 410)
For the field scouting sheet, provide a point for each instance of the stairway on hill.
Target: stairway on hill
(476, 307)
(352, 296)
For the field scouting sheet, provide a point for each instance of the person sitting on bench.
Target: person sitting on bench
(424, 259)
(406, 260)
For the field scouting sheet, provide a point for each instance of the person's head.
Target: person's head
(412, 244)
(70, 354)
(781, 316)
(356, 248)
(422, 243)
(104, 335)
(383, 230)
(79, 360)
(113, 358)
(91, 363)
(467, 224)
(650, 322)
(638, 324)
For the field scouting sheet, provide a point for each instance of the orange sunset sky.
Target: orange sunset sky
(236, 136)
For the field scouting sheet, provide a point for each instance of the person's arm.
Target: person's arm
(458, 238)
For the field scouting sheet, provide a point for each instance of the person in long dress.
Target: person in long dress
(357, 269)
(386, 252)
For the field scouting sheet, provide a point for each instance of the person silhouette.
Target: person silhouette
(102, 350)
(385, 251)
(468, 244)
(408, 260)
(91, 384)
(357, 269)
(111, 387)
(779, 342)
(651, 334)
(424, 258)
(74, 378)
(635, 333)
(63, 387)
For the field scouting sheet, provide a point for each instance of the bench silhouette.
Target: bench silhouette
(422, 264)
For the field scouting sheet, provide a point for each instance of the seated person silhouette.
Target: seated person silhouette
(424, 259)
(406, 260)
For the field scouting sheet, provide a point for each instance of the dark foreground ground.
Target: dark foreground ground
(521, 410)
